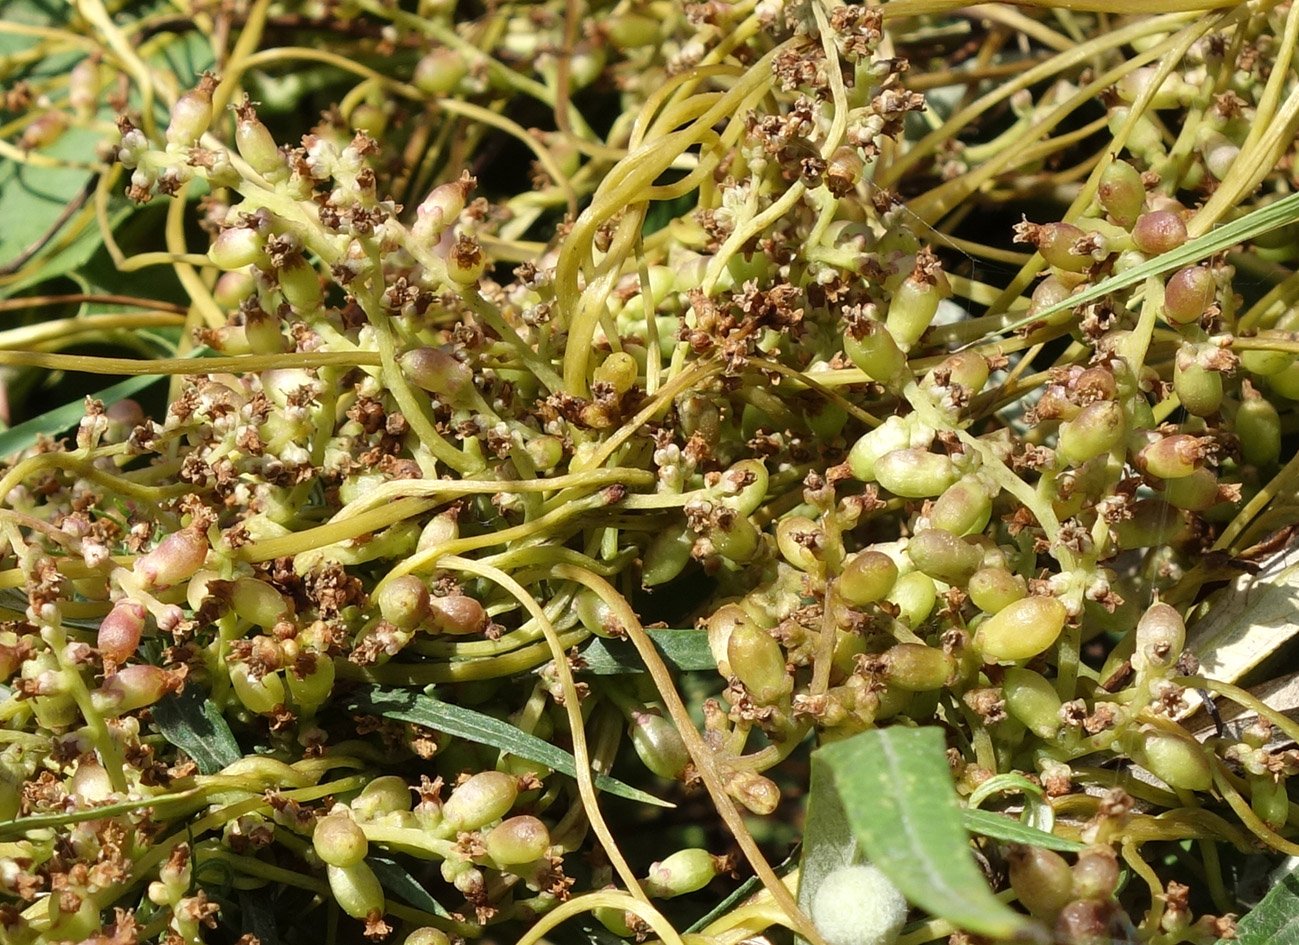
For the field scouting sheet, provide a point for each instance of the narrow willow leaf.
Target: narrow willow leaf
(466, 723)
(680, 649)
(891, 790)
(1255, 223)
(194, 725)
(1275, 920)
(16, 439)
(988, 824)
(394, 878)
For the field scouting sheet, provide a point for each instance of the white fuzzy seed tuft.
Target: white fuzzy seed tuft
(857, 905)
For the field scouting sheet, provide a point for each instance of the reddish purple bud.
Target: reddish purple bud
(119, 633)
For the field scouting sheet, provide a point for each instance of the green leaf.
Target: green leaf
(681, 649)
(1275, 920)
(890, 791)
(395, 879)
(460, 722)
(999, 827)
(193, 724)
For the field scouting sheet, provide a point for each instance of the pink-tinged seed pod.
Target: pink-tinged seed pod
(1056, 242)
(1187, 294)
(238, 247)
(177, 557)
(441, 208)
(1172, 457)
(1121, 193)
(485, 797)
(254, 141)
(44, 131)
(119, 633)
(457, 614)
(521, 839)
(438, 372)
(191, 115)
(440, 71)
(1159, 231)
(132, 687)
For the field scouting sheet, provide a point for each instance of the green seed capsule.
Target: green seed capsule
(485, 797)
(867, 577)
(1197, 492)
(1056, 242)
(263, 695)
(1032, 700)
(995, 589)
(1021, 630)
(311, 690)
(758, 661)
(943, 556)
(339, 840)
(1172, 457)
(668, 554)
(300, 284)
(1153, 522)
(427, 936)
(915, 302)
(1269, 799)
(404, 601)
(356, 889)
(517, 840)
(743, 487)
(915, 596)
(685, 871)
(1160, 637)
(1096, 873)
(1041, 879)
(741, 541)
(1188, 294)
(1098, 428)
(799, 540)
(873, 351)
(659, 745)
(1158, 231)
(384, 795)
(892, 434)
(1197, 387)
(964, 507)
(1121, 193)
(258, 602)
(915, 667)
(1259, 427)
(1174, 758)
(915, 473)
